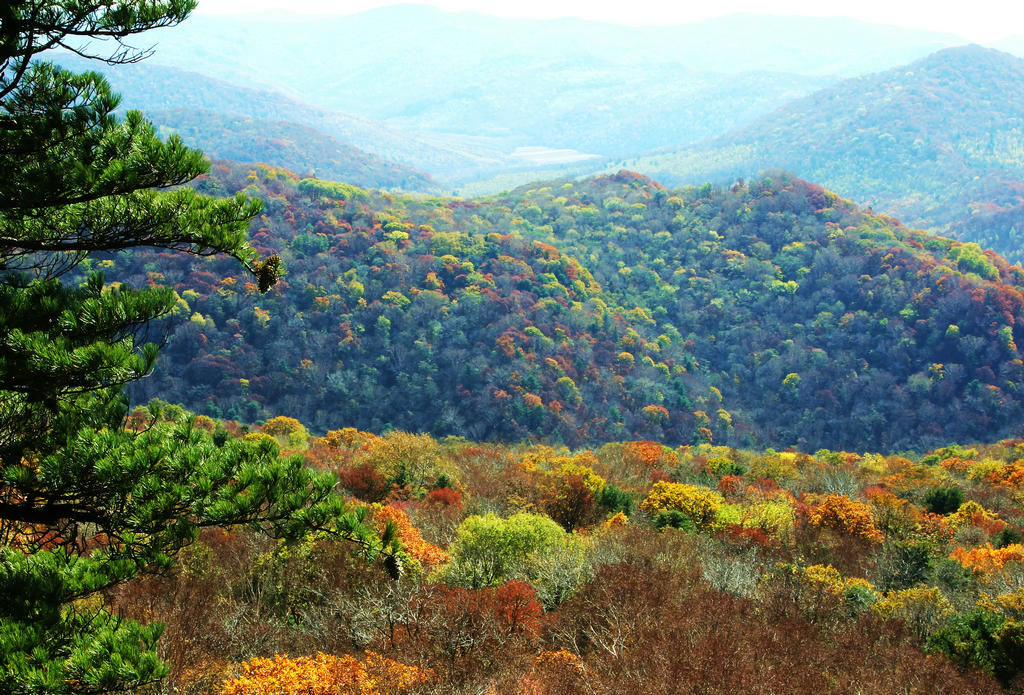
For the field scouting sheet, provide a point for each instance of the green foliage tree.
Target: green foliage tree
(489, 550)
(984, 639)
(86, 504)
(943, 500)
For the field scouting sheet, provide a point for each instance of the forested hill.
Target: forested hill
(938, 143)
(607, 309)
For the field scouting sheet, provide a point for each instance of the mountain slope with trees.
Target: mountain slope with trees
(937, 143)
(775, 313)
(455, 94)
(158, 89)
(461, 131)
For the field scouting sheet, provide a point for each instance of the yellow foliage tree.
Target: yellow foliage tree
(282, 424)
(698, 503)
(855, 592)
(289, 427)
(558, 671)
(407, 459)
(971, 513)
(1012, 604)
(570, 494)
(922, 609)
(617, 520)
(344, 438)
(591, 480)
(260, 437)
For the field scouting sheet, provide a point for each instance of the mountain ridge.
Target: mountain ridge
(592, 87)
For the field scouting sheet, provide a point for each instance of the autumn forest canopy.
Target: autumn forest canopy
(321, 429)
(769, 314)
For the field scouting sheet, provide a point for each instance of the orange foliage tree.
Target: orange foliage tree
(989, 560)
(643, 458)
(428, 554)
(846, 517)
(327, 675)
(570, 495)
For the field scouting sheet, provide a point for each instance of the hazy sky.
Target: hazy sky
(978, 20)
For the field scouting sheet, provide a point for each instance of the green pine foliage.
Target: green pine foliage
(87, 504)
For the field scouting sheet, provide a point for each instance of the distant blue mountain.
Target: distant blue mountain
(593, 87)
